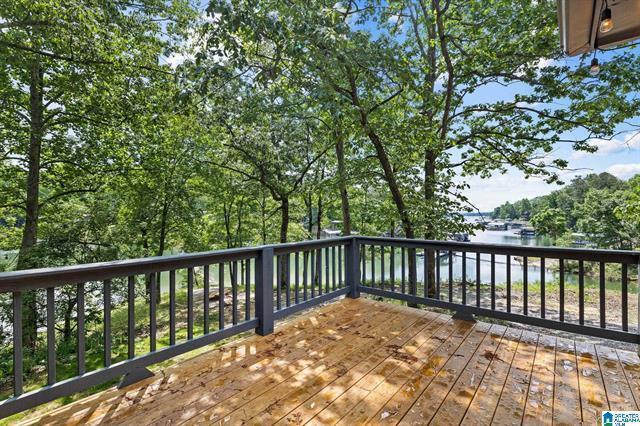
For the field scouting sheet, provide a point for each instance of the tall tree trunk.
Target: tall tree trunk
(284, 227)
(226, 214)
(30, 230)
(342, 184)
(284, 221)
(263, 217)
(309, 204)
(66, 331)
(396, 194)
(318, 267)
(430, 232)
(320, 214)
(162, 241)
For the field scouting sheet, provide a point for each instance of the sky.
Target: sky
(619, 156)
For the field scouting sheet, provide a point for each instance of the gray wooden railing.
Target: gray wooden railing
(256, 286)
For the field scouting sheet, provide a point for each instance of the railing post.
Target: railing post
(353, 268)
(264, 291)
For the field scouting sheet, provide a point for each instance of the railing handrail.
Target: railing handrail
(567, 253)
(27, 279)
(46, 277)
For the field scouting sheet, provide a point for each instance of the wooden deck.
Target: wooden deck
(359, 361)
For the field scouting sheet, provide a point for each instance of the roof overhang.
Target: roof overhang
(579, 22)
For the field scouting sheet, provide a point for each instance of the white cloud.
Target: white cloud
(534, 105)
(545, 62)
(630, 142)
(486, 194)
(624, 171)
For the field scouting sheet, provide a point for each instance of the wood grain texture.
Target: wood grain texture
(361, 361)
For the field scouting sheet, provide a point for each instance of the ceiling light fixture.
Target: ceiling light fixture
(606, 21)
(594, 70)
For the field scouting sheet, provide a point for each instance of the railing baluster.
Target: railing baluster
(17, 343)
(51, 336)
(561, 272)
(493, 281)
(542, 288)
(478, 279)
(297, 277)
(403, 281)
(333, 268)
(450, 256)
(234, 292)
(278, 283)
(581, 292)
(425, 273)
(508, 260)
(172, 307)
(525, 285)
(438, 274)
(107, 322)
(305, 270)
(131, 317)
(373, 266)
(247, 289)
(340, 278)
(363, 253)
(189, 303)
(392, 268)
(152, 313)
(205, 298)
(313, 273)
(288, 280)
(625, 298)
(221, 294)
(413, 272)
(603, 317)
(80, 343)
(382, 267)
(327, 277)
(319, 259)
(464, 277)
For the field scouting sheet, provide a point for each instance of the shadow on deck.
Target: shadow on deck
(358, 361)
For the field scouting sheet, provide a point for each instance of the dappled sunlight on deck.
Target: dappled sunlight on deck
(358, 361)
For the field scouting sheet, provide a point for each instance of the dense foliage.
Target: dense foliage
(601, 206)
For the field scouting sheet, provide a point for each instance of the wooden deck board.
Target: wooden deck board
(366, 362)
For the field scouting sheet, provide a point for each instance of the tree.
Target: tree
(408, 86)
(67, 70)
(628, 211)
(598, 219)
(551, 222)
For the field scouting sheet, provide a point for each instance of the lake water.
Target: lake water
(494, 237)
(534, 272)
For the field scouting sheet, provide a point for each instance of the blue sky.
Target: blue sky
(619, 156)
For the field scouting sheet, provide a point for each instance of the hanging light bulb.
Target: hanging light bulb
(606, 22)
(595, 67)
